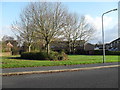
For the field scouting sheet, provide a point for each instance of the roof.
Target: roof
(9, 44)
(115, 40)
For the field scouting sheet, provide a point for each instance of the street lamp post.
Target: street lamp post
(103, 33)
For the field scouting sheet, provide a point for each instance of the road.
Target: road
(99, 78)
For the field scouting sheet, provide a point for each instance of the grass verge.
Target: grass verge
(9, 62)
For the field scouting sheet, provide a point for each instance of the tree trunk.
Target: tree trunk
(69, 47)
(29, 48)
(73, 47)
(47, 48)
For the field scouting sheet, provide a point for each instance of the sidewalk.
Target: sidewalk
(46, 68)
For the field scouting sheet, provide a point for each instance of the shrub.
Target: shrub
(98, 52)
(62, 56)
(15, 51)
(21, 51)
(53, 55)
(34, 55)
(113, 52)
(44, 56)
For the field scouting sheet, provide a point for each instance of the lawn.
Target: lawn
(8, 62)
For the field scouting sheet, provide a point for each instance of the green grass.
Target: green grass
(73, 60)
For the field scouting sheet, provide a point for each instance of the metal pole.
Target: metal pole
(103, 33)
(103, 40)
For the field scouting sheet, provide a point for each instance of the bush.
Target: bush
(21, 51)
(81, 52)
(15, 51)
(53, 55)
(98, 52)
(34, 55)
(62, 56)
(112, 52)
(44, 56)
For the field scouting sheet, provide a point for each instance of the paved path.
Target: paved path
(8, 70)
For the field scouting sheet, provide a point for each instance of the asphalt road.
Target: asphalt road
(99, 78)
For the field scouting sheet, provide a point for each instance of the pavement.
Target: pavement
(53, 69)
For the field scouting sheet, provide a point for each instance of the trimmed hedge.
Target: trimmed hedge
(100, 52)
(97, 52)
(44, 56)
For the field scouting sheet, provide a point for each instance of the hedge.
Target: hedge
(97, 52)
(44, 56)
(100, 52)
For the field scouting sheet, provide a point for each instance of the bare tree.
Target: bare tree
(49, 20)
(77, 30)
(24, 29)
(69, 30)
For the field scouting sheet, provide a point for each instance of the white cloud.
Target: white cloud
(6, 30)
(110, 28)
(97, 21)
(111, 34)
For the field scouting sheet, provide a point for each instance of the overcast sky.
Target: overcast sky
(92, 11)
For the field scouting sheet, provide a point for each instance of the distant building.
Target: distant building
(79, 46)
(9, 45)
(112, 46)
(98, 47)
(58, 45)
(89, 48)
(63, 45)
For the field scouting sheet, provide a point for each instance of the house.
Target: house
(98, 47)
(58, 45)
(112, 46)
(115, 45)
(89, 48)
(80, 46)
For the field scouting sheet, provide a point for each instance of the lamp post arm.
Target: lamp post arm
(109, 11)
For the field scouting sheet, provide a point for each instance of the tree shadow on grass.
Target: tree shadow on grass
(14, 58)
(19, 58)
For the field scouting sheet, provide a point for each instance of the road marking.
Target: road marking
(54, 71)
